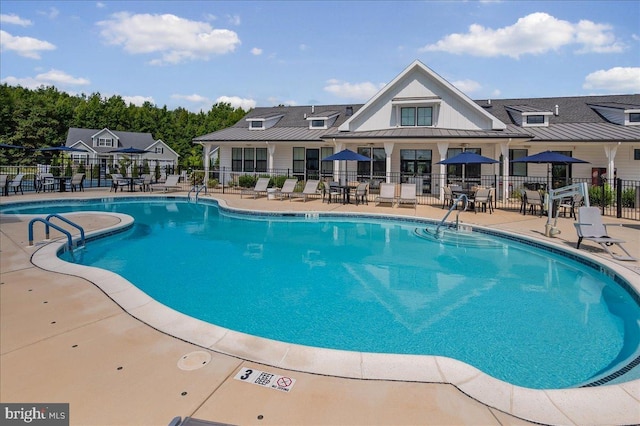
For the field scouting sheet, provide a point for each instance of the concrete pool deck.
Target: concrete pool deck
(63, 340)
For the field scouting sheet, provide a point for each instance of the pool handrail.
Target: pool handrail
(461, 197)
(47, 223)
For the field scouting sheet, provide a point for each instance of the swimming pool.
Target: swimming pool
(364, 274)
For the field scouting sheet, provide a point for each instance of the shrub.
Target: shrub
(596, 197)
(213, 183)
(629, 198)
(247, 181)
(278, 181)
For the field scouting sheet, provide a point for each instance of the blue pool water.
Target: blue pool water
(515, 312)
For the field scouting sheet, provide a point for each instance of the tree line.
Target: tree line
(38, 118)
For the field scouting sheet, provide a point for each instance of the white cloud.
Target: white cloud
(27, 47)
(303, 47)
(100, 5)
(52, 77)
(467, 86)
(534, 34)
(138, 100)
(15, 20)
(237, 102)
(614, 80)
(256, 51)
(197, 99)
(52, 13)
(174, 38)
(356, 91)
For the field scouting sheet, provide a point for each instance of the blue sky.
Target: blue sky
(193, 54)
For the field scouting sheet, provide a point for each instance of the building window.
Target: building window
(298, 160)
(236, 159)
(415, 162)
(636, 154)
(517, 169)
(374, 168)
(634, 117)
(107, 142)
(256, 124)
(261, 159)
(420, 116)
(159, 150)
(249, 163)
(317, 124)
(326, 167)
(535, 119)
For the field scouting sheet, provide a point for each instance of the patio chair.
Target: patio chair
(77, 182)
(45, 181)
(260, 188)
(570, 204)
(16, 183)
(332, 192)
(483, 198)
(533, 200)
(590, 227)
(144, 182)
(117, 181)
(387, 193)
(288, 187)
(4, 181)
(361, 193)
(408, 195)
(310, 188)
(447, 198)
(171, 184)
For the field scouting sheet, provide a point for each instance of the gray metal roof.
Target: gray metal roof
(576, 121)
(126, 139)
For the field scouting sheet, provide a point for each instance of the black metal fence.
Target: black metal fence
(619, 198)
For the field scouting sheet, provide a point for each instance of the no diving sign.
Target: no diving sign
(262, 378)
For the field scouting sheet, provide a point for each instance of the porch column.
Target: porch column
(504, 150)
(206, 152)
(388, 150)
(271, 149)
(442, 173)
(338, 146)
(610, 151)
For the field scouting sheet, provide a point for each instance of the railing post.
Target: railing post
(618, 197)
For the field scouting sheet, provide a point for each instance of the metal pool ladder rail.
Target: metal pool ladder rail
(197, 189)
(462, 197)
(47, 224)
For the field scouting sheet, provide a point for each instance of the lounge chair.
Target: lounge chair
(310, 188)
(16, 183)
(408, 195)
(259, 189)
(288, 187)
(171, 184)
(77, 182)
(387, 193)
(590, 227)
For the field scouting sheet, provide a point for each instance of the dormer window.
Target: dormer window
(256, 124)
(416, 116)
(318, 124)
(105, 142)
(535, 119)
(634, 117)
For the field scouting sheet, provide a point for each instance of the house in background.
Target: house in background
(99, 147)
(419, 119)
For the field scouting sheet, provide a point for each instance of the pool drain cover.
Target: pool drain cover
(194, 360)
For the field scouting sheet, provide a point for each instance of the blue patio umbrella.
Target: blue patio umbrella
(130, 150)
(346, 155)
(468, 157)
(8, 146)
(549, 157)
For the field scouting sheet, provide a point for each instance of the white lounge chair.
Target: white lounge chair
(310, 188)
(408, 195)
(387, 193)
(590, 227)
(288, 187)
(260, 188)
(171, 184)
